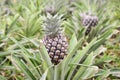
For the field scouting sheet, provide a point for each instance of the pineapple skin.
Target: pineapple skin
(89, 21)
(56, 47)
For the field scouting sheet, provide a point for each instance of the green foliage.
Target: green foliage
(3, 78)
(24, 57)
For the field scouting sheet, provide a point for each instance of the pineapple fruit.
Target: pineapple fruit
(54, 40)
(50, 8)
(88, 20)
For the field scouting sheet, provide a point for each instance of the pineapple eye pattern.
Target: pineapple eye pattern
(56, 48)
(89, 21)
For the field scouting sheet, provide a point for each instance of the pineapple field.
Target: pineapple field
(59, 39)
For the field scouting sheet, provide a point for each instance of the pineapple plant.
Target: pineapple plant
(32, 60)
(88, 18)
(89, 12)
(54, 40)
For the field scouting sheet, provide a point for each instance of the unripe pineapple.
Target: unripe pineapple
(89, 21)
(50, 8)
(54, 40)
(54, 6)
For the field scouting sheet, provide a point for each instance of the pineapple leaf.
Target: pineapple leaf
(115, 72)
(23, 67)
(2, 78)
(26, 55)
(45, 55)
(47, 62)
(103, 74)
(10, 28)
(44, 75)
(89, 72)
(66, 61)
(72, 43)
(80, 56)
(82, 69)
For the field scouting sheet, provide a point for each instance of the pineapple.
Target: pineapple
(55, 6)
(50, 8)
(54, 41)
(89, 21)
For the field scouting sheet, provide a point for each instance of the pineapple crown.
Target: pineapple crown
(52, 24)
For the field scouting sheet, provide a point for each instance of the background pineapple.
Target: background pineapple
(50, 8)
(55, 42)
(55, 6)
(89, 21)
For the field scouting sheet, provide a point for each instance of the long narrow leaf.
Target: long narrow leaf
(23, 67)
